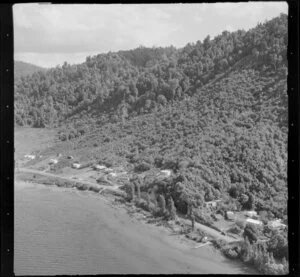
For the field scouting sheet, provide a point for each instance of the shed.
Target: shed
(53, 161)
(76, 165)
(230, 215)
(31, 157)
(251, 213)
(254, 222)
(166, 172)
(100, 167)
(212, 203)
(276, 224)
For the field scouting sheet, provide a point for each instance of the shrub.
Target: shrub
(162, 205)
(251, 233)
(235, 230)
(230, 253)
(142, 166)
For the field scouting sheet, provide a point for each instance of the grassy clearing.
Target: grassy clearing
(28, 140)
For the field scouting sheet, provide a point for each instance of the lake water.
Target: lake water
(64, 231)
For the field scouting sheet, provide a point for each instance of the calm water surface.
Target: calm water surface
(62, 231)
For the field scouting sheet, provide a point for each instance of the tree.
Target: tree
(172, 209)
(233, 191)
(193, 220)
(250, 203)
(255, 52)
(278, 245)
(251, 233)
(148, 201)
(206, 42)
(161, 99)
(138, 190)
(244, 199)
(132, 198)
(162, 204)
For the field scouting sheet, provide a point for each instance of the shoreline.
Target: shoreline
(177, 240)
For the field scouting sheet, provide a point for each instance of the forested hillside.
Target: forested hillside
(214, 111)
(24, 69)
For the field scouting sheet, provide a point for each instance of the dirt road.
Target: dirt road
(113, 186)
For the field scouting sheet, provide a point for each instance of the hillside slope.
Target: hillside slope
(24, 69)
(129, 83)
(212, 141)
(215, 112)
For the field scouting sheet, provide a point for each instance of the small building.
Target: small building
(230, 215)
(99, 167)
(113, 174)
(59, 155)
(108, 170)
(212, 203)
(276, 224)
(76, 165)
(251, 214)
(53, 161)
(204, 239)
(31, 157)
(254, 222)
(166, 172)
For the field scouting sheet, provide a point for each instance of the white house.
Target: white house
(212, 203)
(254, 222)
(31, 157)
(53, 161)
(166, 172)
(76, 165)
(276, 224)
(251, 213)
(100, 167)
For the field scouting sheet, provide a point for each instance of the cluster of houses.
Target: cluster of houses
(253, 218)
(55, 161)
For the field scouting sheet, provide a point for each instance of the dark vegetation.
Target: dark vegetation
(214, 112)
(268, 257)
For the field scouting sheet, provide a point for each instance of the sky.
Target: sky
(50, 34)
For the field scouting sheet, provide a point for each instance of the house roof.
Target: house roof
(251, 212)
(276, 223)
(254, 221)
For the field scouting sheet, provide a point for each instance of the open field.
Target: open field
(29, 140)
